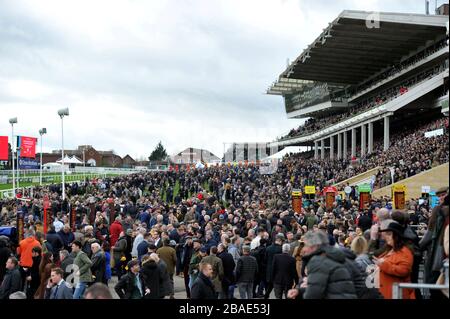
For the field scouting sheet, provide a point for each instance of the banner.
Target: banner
(364, 199)
(73, 218)
(364, 188)
(310, 190)
(28, 163)
(20, 224)
(297, 200)
(399, 196)
(4, 148)
(26, 146)
(46, 205)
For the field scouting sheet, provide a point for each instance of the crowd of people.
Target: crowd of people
(373, 100)
(227, 231)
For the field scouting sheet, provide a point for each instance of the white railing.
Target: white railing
(397, 288)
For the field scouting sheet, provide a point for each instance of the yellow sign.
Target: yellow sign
(398, 188)
(310, 189)
(296, 193)
(399, 196)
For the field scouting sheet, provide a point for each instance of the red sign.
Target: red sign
(330, 189)
(27, 146)
(3, 148)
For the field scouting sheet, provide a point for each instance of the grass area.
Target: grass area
(56, 179)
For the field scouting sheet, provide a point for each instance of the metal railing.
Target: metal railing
(397, 288)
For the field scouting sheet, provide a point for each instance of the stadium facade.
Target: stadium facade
(366, 75)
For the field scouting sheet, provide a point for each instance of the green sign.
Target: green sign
(364, 188)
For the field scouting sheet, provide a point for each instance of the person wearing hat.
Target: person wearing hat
(433, 241)
(395, 264)
(196, 258)
(169, 256)
(131, 285)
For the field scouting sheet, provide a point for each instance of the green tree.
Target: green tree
(159, 153)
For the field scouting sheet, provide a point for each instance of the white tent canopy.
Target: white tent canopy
(283, 152)
(70, 160)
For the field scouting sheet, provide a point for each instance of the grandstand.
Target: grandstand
(366, 75)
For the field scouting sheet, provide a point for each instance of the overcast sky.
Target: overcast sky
(188, 73)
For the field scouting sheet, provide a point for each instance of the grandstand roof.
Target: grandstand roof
(348, 51)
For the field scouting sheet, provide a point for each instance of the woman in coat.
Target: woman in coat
(45, 269)
(396, 263)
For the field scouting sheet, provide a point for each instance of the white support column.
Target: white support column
(363, 140)
(316, 150)
(331, 147)
(322, 151)
(339, 150)
(344, 137)
(370, 143)
(353, 142)
(386, 133)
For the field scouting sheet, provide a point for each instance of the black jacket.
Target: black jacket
(152, 276)
(98, 267)
(260, 254)
(203, 288)
(11, 283)
(328, 277)
(126, 285)
(228, 267)
(271, 251)
(246, 269)
(284, 271)
(5, 253)
(57, 243)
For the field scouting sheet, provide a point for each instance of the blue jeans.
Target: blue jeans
(245, 290)
(79, 290)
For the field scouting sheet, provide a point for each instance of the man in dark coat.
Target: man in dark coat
(131, 285)
(203, 288)
(246, 270)
(327, 275)
(271, 251)
(284, 272)
(12, 281)
(228, 271)
(67, 237)
(55, 241)
(152, 276)
(66, 259)
(98, 267)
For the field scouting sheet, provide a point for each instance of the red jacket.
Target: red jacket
(397, 267)
(114, 231)
(24, 250)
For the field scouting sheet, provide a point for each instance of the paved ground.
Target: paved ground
(180, 292)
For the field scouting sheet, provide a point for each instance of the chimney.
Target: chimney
(427, 7)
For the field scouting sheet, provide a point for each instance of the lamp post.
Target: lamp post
(13, 121)
(62, 113)
(42, 131)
